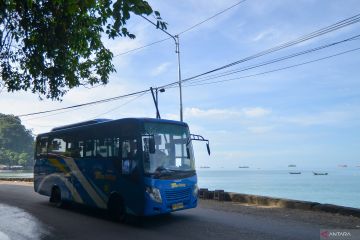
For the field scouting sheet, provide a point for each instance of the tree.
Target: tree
(51, 46)
(16, 142)
(24, 159)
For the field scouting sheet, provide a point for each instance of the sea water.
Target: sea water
(340, 186)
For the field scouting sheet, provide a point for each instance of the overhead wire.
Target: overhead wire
(125, 103)
(211, 17)
(322, 31)
(86, 104)
(333, 27)
(186, 30)
(139, 48)
(274, 70)
(227, 73)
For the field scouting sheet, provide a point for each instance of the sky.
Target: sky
(307, 115)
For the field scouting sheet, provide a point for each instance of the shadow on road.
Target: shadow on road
(150, 222)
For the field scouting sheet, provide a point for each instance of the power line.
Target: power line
(111, 110)
(272, 61)
(186, 30)
(138, 48)
(86, 104)
(333, 27)
(213, 16)
(125, 103)
(49, 115)
(274, 70)
(320, 32)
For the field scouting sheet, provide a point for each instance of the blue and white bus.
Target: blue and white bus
(137, 166)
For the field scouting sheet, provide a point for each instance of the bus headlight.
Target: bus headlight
(154, 194)
(195, 190)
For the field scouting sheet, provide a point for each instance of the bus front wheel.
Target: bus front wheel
(55, 197)
(116, 209)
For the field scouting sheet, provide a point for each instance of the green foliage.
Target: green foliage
(49, 47)
(16, 142)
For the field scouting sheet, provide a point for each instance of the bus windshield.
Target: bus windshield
(173, 153)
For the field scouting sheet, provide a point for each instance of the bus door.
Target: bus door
(41, 162)
(130, 171)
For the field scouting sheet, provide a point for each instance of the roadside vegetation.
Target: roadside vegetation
(16, 143)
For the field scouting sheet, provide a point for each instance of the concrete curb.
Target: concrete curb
(220, 195)
(17, 179)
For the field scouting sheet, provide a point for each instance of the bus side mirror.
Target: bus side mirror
(151, 145)
(188, 152)
(208, 148)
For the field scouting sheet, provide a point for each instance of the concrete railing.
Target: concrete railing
(16, 179)
(221, 195)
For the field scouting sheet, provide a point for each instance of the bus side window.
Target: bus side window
(89, 148)
(101, 148)
(41, 146)
(129, 153)
(72, 149)
(109, 147)
(125, 149)
(117, 150)
(57, 146)
(129, 149)
(81, 148)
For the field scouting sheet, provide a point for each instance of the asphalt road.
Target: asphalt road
(25, 215)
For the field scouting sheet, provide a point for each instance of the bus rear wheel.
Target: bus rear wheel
(116, 209)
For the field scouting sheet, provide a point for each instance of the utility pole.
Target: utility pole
(177, 51)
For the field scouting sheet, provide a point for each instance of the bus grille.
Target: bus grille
(178, 195)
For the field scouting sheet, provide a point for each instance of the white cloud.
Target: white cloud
(320, 118)
(211, 113)
(268, 34)
(215, 113)
(260, 129)
(160, 69)
(256, 112)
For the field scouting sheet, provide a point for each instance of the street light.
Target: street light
(177, 51)
(156, 99)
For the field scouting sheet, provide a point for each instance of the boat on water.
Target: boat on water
(244, 167)
(295, 172)
(320, 173)
(204, 167)
(342, 165)
(291, 165)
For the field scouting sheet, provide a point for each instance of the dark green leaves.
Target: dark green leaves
(49, 47)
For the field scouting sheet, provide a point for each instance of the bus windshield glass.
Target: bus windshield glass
(172, 151)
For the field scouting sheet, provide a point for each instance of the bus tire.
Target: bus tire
(116, 208)
(55, 197)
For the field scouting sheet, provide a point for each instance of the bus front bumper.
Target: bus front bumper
(168, 205)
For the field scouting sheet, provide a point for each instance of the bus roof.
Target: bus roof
(97, 122)
(79, 124)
